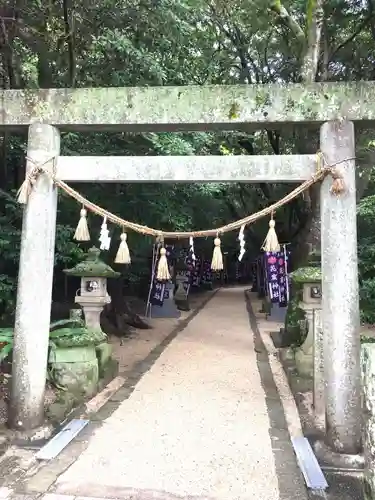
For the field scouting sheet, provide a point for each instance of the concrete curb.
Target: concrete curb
(132, 494)
(281, 381)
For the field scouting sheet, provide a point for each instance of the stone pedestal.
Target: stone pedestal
(104, 355)
(76, 369)
(169, 308)
(92, 309)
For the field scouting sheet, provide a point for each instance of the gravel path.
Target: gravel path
(196, 424)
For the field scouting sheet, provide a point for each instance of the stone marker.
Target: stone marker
(277, 313)
(168, 309)
(182, 292)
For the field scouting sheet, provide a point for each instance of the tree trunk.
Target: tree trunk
(119, 312)
(309, 238)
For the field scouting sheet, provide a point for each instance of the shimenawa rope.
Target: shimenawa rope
(270, 244)
(322, 171)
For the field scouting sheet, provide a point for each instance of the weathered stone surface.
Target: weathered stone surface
(92, 266)
(241, 168)
(305, 354)
(76, 368)
(368, 391)
(34, 292)
(188, 108)
(306, 275)
(104, 356)
(319, 400)
(340, 306)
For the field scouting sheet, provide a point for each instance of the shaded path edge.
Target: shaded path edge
(282, 424)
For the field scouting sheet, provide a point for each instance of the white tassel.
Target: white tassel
(163, 270)
(241, 238)
(217, 257)
(104, 238)
(123, 254)
(82, 231)
(191, 244)
(24, 191)
(271, 243)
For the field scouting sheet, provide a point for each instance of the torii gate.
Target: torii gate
(333, 106)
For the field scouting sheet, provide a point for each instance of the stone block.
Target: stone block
(104, 355)
(195, 107)
(75, 368)
(368, 401)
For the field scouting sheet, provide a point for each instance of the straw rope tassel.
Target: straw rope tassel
(338, 184)
(163, 270)
(24, 191)
(217, 257)
(82, 231)
(82, 234)
(123, 254)
(271, 243)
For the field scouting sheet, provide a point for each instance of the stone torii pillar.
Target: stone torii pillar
(340, 307)
(34, 292)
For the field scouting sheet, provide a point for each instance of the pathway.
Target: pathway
(206, 420)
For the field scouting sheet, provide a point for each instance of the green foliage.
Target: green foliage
(74, 335)
(366, 254)
(179, 42)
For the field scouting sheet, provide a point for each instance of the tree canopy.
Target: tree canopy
(182, 42)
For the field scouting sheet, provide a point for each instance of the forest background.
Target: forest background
(113, 43)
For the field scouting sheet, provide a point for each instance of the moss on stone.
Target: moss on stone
(104, 355)
(75, 369)
(92, 266)
(262, 98)
(234, 111)
(294, 316)
(306, 275)
(183, 106)
(76, 337)
(77, 377)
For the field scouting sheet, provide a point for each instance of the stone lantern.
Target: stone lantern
(93, 295)
(309, 278)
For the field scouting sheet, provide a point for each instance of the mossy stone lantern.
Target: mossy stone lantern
(93, 295)
(309, 279)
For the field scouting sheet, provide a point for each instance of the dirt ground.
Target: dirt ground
(135, 348)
